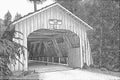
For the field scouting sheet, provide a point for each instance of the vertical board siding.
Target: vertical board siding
(87, 56)
(12, 65)
(47, 24)
(34, 21)
(18, 41)
(41, 21)
(44, 19)
(28, 28)
(89, 49)
(86, 48)
(32, 25)
(24, 36)
(21, 42)
(81, 47)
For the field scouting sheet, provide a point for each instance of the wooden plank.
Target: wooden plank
(82, 40)
(35, 22)
(89, 61)
(67, 60)
(52, 59)
(36, 42)
(39, 49)
(83, 37)
(31, 47)
(58, 52)
(59, 58)
(46, 46)
(81, 56)
(89, 52)
(22, 43)
(40, 37)
(67, 41)
(86, 54)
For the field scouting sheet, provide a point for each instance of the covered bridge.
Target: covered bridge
(53, 31)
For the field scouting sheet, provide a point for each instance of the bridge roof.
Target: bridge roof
(47, 7)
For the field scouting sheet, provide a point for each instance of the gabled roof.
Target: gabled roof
(47, 7)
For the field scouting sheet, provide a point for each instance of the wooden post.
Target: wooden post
(59, 60)
(46, 47)
(52, 59)
(67, 60)
(47, 59)
(42, 59)
(39, 58)
(38, 50)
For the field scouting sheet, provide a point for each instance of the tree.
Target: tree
(104, 17)
(35, 2)
(1, 27)
(17, 16)
(9, 51)
(7, 18)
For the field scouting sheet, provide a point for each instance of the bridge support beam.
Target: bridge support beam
(58, 52)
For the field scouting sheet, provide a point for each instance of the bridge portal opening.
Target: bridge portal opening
(51, 47)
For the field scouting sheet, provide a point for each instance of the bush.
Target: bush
(109, 60)
(9, 51)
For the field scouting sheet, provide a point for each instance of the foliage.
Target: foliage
(104, 18)
(5, 23)
(9, 50)
(7, 19)
(2, 28)
(35, 2)
(17, 16)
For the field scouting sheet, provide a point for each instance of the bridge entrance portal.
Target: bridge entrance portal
(50, 47)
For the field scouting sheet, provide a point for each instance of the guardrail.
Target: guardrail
(52, 60)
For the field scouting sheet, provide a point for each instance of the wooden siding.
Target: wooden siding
(41, 21)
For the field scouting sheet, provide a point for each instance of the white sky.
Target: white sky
(18, 6)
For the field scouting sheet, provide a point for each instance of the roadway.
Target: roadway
(60, 72)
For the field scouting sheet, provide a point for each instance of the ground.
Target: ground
(76, 75)
(60, 72)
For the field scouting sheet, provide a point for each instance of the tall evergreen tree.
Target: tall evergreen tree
(17, 16)
(7, 19)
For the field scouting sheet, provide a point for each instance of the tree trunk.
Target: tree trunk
(35, 6)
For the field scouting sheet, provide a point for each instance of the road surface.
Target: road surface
(75, 75)
(60, 72)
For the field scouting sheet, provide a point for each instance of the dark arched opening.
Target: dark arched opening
(51, 46)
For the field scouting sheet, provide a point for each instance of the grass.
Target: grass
(31, 75)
